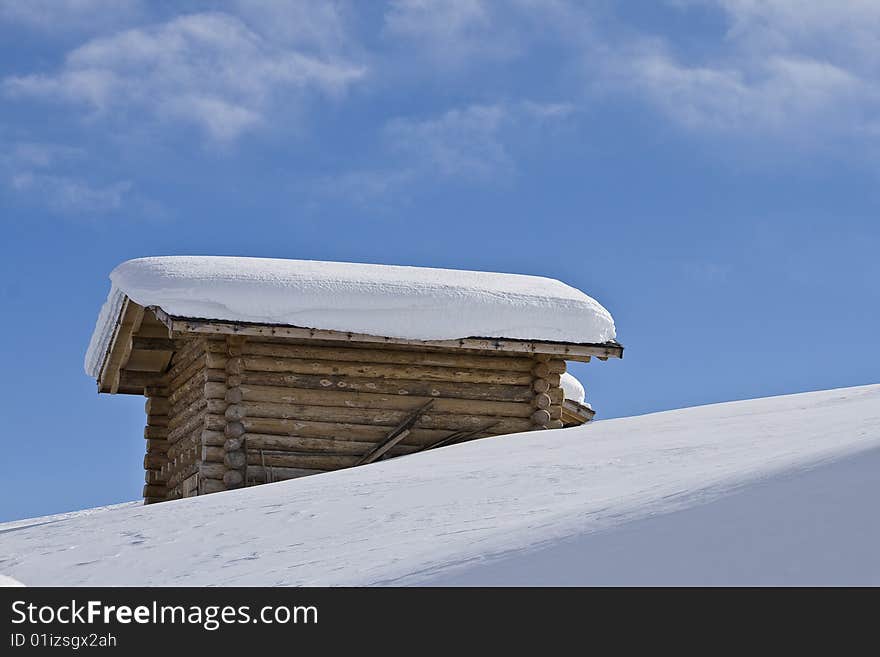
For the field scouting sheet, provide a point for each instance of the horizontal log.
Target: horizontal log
(188, 351)
(154, 461)
(155, 432)
(215, 390)
(377, 417)
(158, 391)
(187, 413)
(389, 356)
(177, 379)
(184, 472)
(156, 406)
(280, 395)
(209, 486)
(186, 444)
(154, 477)
(258, 474)
(545, 369)
(304, 460)
(152, 344)
(375, 404)
(256, 441)
(157, 445)
(213, 438)
(184, 402)
(140, 381)
(157, 420)
(154, 491)
(194, 423)
(378, 370)
(455, 390)
(212, 471)
(347, 431)
(183, 394)
(215, 375)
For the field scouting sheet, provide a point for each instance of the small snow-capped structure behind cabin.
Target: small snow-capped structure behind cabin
(257, 370)
(575, 409)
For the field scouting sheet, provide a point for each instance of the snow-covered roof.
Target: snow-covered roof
(572, 388)
(416, 303)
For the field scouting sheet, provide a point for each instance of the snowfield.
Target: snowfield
(779, 490)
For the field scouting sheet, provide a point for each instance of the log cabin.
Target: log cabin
(259, 370)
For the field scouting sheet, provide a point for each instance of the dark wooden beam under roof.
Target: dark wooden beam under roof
(564, 350)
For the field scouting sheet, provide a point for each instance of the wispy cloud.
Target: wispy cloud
(50, 175)
(67, 195)
(65, 15)
(782, 69)
(207, 69)
(786, 69)
(452, 32)
(473, 145)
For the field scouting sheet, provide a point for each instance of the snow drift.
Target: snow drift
(551, 504)
(416, 303)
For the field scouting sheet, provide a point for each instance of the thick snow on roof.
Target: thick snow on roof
(572, 388)
(416, 303)
(545, 502)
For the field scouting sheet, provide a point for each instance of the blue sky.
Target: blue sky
(707, 169)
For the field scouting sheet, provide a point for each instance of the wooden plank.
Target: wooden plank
(130, 314)
(140, 343)
(257, 441)
(314, 429)
(258, 474)
(575, 413)
(567, 351)
(397, 434)
(137, 382)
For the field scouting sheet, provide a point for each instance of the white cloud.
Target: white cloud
(474, 145)
(63, 15)
(776, 95)
(786, 69)
(318, 24)
(465, 142)
(68, 195)
(52, 176)
(208, 69)
(452, 33)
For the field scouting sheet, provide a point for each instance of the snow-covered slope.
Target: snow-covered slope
(776, 490)
(417, 303)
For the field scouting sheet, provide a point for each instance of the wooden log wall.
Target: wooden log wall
(187, 409)
(257, 410)
(156, 436)
(298, 409)
(547, 402)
